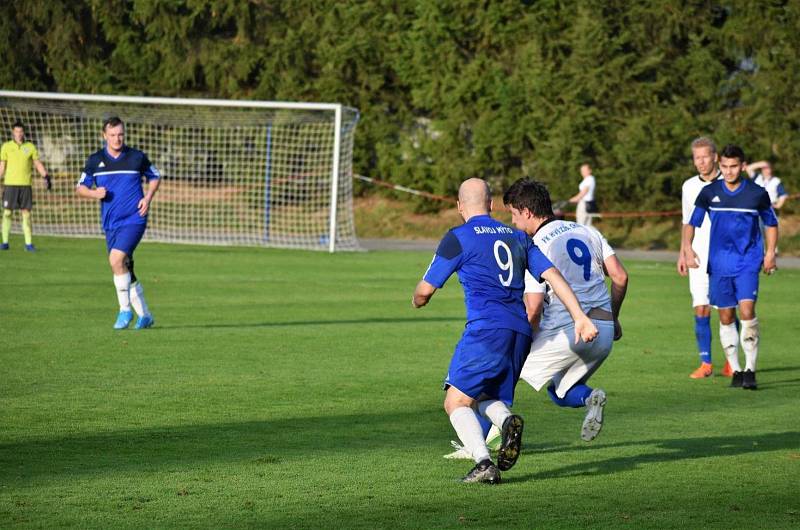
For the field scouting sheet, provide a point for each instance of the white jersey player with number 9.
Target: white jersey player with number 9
(584, 258)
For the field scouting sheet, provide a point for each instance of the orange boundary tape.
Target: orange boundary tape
(606, 215)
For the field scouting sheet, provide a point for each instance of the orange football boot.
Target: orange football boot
(704, 371)
(727, 371)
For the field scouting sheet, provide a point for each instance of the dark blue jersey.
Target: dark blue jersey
(735, 244)
(490, 259)
(122, 179)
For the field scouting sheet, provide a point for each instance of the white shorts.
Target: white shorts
(555, 357)
(698, 286)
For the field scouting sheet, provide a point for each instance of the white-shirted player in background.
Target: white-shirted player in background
(706, 161)
(584, 258)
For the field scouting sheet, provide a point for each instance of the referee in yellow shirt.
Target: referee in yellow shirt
(17, 158)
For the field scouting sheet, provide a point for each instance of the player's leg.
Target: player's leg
(466, 378)
(122, 284)
(6, 228)
(138, 301)
(698, 287)
(570, 388)
(25, 205)
(747, 288)
(517, 349)
(722, 294)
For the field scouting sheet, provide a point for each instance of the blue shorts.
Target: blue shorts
(125, 238)
(487, 362)
(728, 291)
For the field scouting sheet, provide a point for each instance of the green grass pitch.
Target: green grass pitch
(300, 389)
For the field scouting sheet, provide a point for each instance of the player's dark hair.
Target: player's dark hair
(733, 151)
(527, 193)
(112, 121)
(18, 124)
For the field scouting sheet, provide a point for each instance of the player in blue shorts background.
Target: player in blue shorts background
(736, 255)
(113, 175)
(490, 259)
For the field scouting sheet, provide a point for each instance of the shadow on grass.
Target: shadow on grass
(666, 451)
(415, 320)
(278, 441)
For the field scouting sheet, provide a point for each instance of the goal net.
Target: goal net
(272, 174)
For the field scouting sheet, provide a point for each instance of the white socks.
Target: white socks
(123, 284)
(749, 339)
(469, 431)
(495, 410)
(137, 300)
(729, 338)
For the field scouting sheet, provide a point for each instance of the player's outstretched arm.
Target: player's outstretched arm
(584, 328)
(422, 294)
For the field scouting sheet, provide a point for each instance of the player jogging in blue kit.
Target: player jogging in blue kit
(490, 259)
(114, 176)
(736, 255)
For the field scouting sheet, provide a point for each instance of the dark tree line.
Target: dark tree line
(456, 88)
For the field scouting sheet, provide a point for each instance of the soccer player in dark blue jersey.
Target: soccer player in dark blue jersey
(490, 259)
(113, 175)
(736, 255)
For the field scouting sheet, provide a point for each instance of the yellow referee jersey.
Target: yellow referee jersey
(19, 162)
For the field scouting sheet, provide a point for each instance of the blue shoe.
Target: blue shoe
(145, 321)
(30, 248)
(4, 246)
(123, 320)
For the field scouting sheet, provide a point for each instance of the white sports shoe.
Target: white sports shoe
(593, 421)
(493, 441)
(494, 438)
(460, 453)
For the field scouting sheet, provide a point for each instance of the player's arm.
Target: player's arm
(86, 185)
(754, 167)
(43, 172)
(144, 204)
(771, 243)
(422, 294)
(616, 272)
(584, 327)
(534, 303)
(695, 221)
(577, 197)
(2, 168)
(686, 210)
(153, 177)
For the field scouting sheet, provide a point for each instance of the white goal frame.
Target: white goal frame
(330, 243)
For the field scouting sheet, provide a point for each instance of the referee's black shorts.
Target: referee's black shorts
(18, 197)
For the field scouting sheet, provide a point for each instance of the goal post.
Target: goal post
(257, 173)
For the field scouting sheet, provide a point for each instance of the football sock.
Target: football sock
(6, 224)
(486, 425)
(575, 397)
(123, 284)
(749, 338)
(26, 228)
(702, 332)
(729, 338)
(137, 300)
(468, 429)
(495, 410)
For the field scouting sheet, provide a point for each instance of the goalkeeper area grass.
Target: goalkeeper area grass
(300, 389)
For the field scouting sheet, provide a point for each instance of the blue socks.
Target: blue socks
(485, 425)
(575, 397)
(702, 332)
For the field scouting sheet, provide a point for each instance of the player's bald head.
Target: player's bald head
(474, 193)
